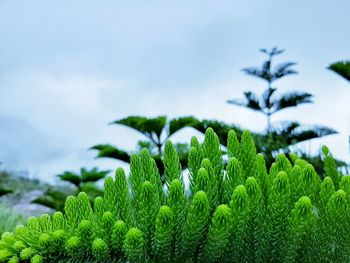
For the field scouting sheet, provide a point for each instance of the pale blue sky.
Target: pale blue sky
(67, 68)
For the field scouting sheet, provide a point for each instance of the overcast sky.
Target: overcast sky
(68, 68)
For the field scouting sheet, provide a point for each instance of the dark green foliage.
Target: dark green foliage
(268, 103)
(4, 191)
(85, 176)
(333, 241)
(83, 181)
(135, 246)
(256, 240)
(240, 207)
(278, 208)
(330, 167)
(218, 236)
(247, 154)
(233, 147)
(234, 177)
(195, 225)
(144, 125)
(278, 137)
(237, 213)
(172, 166)
(162, 242)
(157, 131)
(342, 68)
(109, 151)
(118, 236)
(288, 133)
(178, 203)
(299, 222)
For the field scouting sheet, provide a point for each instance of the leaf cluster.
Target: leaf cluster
(342, 68)
(156, 131)
(85, 180)
(241, 212)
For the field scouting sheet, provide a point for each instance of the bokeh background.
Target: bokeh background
(68, 68)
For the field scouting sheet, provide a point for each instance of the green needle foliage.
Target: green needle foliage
(239, 213)
(157, 131)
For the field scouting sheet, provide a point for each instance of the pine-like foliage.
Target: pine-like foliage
(342, 68)
(238, 213)
(278, 137)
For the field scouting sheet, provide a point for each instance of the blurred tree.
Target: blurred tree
(84, 181)
(220, 128)
(342, 68)
(278, 137)
(157, 131)
(84, 178)
(4, 190)
(268, 103)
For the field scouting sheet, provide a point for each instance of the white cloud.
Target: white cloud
(63, 115)
(67, 69)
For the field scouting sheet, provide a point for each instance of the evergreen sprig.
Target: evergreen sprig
(237, 213)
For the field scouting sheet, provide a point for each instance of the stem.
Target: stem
(268, 115)
(152, 139)
(159, 146)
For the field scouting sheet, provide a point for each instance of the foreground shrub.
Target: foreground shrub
(241, 213)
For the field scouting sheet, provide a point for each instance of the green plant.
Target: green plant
(268, 103)
(84, 178)
(342, 68)
(238, 213)
(4, 190)
(283, 135)
(278, 137)
(85, 181)
(54, 198)
(157, 131)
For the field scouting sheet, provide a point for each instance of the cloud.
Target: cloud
(67, 69)
(49, 122)
(22, 145)
(49, 127)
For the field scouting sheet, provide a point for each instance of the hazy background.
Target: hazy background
(67, 68)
